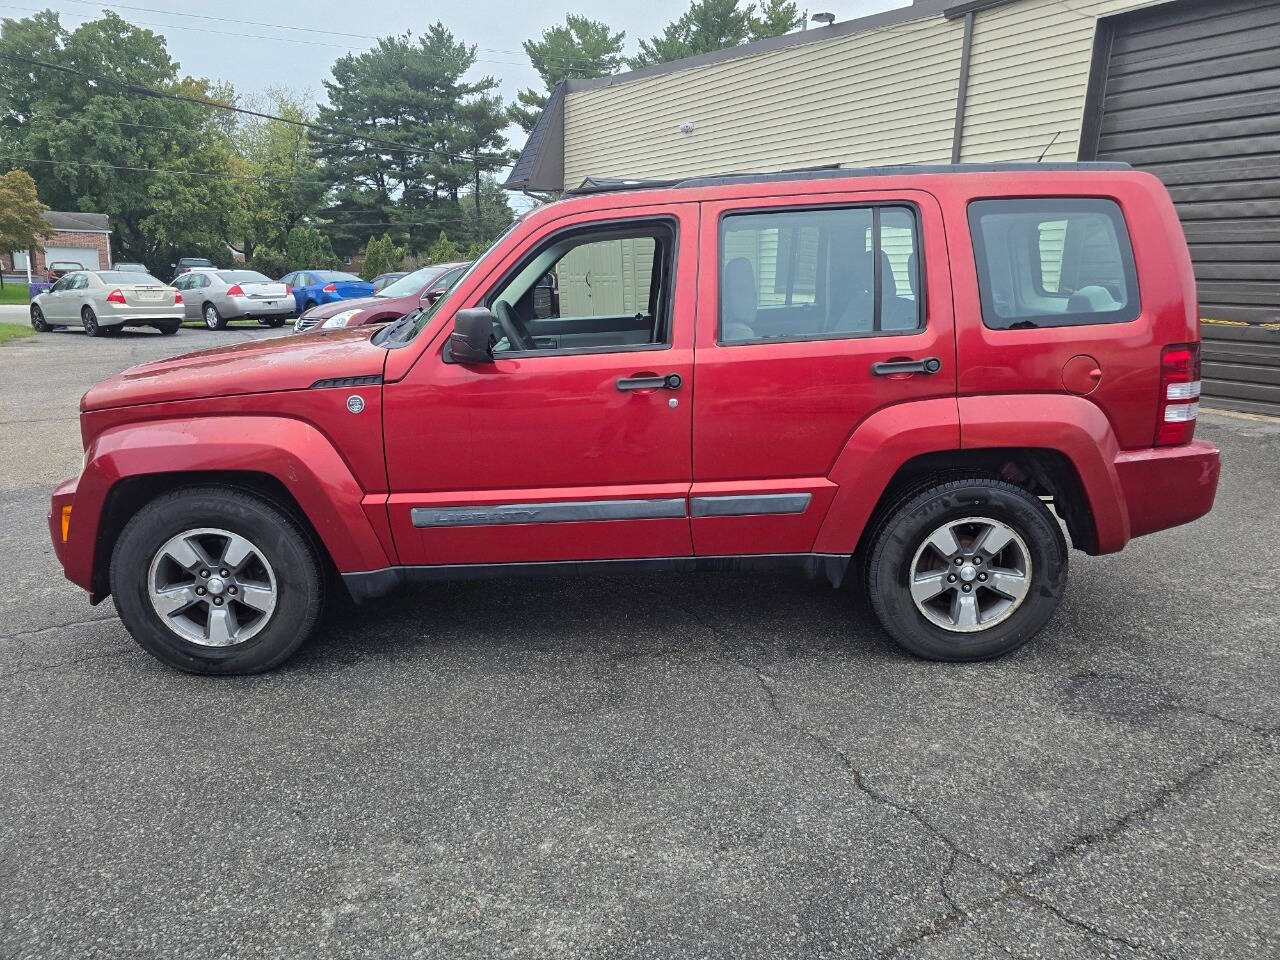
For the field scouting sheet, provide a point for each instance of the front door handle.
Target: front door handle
(651, 381)
(888, 368)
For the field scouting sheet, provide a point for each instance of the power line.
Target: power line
(139, 90)
(563, 61)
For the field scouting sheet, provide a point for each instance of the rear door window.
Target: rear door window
(814, 274)
(1053, 262)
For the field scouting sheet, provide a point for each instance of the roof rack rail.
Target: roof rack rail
(833, 171)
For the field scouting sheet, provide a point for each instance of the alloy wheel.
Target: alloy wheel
(212, 587)
(970, 574)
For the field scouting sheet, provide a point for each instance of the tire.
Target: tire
(275, 323)
(89, 321)
(38, 322)
(307, 306)
(169, 329)
(281, 557)
(112, 331)
(212, 318)
(1003, 609)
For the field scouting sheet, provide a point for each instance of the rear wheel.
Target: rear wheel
(967, 569)
(89, 320)
(38, 322)
(212, 318)
(216, 580)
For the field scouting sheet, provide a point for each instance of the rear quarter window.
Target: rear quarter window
(1053, 262)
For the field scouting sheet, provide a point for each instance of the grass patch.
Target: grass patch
(13, 331)
(14, 293)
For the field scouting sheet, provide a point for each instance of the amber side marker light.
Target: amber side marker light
(66, 522)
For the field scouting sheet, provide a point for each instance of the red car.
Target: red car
(421, 288)
(59, 269)
(922, 368)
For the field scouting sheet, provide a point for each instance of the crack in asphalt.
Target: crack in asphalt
(956, 915)
(50, 667)
(57, 626)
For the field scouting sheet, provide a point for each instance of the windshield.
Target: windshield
(336, 275)
(134, 277)
(243, 276)
(425, 317)
(411, 283)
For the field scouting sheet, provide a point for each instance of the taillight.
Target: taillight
(177, 298)
(329, 288)
(235, 290)
(115, 296)
(1179, 394)
(288, 290)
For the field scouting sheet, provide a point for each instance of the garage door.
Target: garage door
(1192, 94)
(87, 257)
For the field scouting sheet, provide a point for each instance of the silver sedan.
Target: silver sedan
(105, 301)
(216, 296)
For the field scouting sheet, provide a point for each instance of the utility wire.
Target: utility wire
(563, 61)
(139, 90)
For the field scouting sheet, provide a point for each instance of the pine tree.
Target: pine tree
(580, 48)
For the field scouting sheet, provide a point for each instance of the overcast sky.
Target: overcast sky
(255, 58)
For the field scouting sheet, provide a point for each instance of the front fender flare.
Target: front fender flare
(293, 452)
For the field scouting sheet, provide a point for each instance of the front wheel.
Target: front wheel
(38, 322)
(967, 569)
(89, 320)
(216, 580)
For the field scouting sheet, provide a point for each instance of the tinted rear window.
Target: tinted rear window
(337, 275)
(243, 276)
(1053, 262)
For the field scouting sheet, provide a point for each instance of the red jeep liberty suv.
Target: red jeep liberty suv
(920, 374)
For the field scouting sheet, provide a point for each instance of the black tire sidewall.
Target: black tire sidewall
(889, 568)
(38, 322)
(89, 320)
(299, 580)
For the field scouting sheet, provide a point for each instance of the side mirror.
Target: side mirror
(472, 339)
(431, 296)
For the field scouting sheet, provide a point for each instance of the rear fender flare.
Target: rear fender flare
(293, 452)
(874, 452)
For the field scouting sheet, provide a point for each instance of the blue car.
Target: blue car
(311, 287)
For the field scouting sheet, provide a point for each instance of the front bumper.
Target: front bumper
(74, 567)
(1168, 486)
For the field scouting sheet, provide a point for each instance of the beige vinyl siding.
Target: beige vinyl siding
(609, 278)
(1028, 78)
(884, 96)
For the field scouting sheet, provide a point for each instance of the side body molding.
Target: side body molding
(1070, 425)
(293, 452)
(873, 453)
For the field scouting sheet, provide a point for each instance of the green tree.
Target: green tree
(443, 250)
(580, 48)
(411, 94)
(382, 256)
(161, 170)
(773, 18)
(706, 26)
(22, 223)
(309, 249)
(283, 185)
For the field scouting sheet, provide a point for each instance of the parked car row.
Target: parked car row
(105, 301)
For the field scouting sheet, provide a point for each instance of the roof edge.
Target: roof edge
(920, 10)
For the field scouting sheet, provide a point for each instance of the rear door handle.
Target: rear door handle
(887, 368)
(671, 381)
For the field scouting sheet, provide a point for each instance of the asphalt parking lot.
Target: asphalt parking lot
(685, 766)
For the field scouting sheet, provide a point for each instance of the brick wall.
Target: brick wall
(60, 238)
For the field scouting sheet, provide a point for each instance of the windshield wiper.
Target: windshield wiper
(393, 329)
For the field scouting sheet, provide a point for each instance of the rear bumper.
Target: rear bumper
(1168, 486)
(250, 307)
(128, 316)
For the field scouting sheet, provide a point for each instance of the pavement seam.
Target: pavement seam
(957, 916)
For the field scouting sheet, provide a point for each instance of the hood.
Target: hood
(262, 366)
(326, 310)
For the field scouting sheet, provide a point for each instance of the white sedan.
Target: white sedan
(106, 301)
